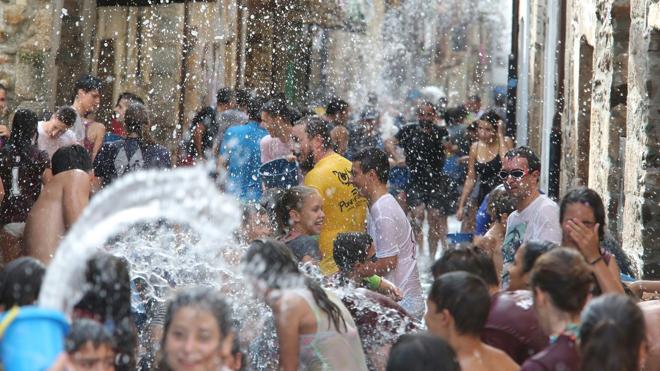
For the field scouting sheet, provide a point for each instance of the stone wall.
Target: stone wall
(25, 43)
(641, 229)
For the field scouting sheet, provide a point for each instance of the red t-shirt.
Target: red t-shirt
(513, 327)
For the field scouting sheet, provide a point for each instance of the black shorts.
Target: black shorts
(437, 196)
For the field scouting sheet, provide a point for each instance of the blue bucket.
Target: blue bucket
(279, 173)
(456, 239)
(32, 338)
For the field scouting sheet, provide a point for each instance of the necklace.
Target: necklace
(572, 331)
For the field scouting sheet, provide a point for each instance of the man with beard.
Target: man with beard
(536, 216)
(329, 173)
(428, 189)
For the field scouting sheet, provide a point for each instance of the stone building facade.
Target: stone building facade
(601, 93)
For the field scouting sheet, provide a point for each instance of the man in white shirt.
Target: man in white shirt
(536, 216)
(56, 132)
(388, 225)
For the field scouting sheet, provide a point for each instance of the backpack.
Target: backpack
(124, 164)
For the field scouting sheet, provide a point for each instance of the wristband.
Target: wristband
(593, 262)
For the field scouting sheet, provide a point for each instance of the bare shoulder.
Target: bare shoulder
(504, 362)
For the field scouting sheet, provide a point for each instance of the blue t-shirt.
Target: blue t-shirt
(126, 155)
(240, 146)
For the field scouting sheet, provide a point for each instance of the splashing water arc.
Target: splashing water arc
(186, 195)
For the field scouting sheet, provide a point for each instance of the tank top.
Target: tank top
(488, 174)
(88, 144)
(329, 349)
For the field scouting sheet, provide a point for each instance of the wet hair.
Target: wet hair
(475, 98)
(71, 157)
(425, 103)
(20, 282)
(316, 126)
(130, 98)
(455, 115)
(273, 262)
(291, 199)
(533, 250)
(565, 276)
(277, 107)
(612, 332)
(207, 117)
(136, 120)
(500, 203)
(67, 115)
(254, 108)
(375, 159)
(466, 298)
(204, 298)
(533, 162)
(87, 83)
(466, 259)
(350, 248)
(422, 352)
(492, 118)
(587, 197)
(85, 330)
(23, 130)
(242, 97)
(108, 299)
(225, 95)
(336, 106)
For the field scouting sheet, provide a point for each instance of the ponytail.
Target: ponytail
(612, 333)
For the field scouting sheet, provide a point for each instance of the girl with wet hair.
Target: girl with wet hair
(23, 170)
(299, 217)
(201, 135)
(198, 332)
(561, 282)
(582, 219)
(484, 165)
(422, 352)
(612, 335)
(314, 328)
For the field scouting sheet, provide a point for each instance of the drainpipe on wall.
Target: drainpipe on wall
(185, 53)
(549, 85)
(522, 104)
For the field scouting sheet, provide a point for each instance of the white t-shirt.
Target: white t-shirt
(51, 145)
(388, 225)
(539, 221)
(273, 148)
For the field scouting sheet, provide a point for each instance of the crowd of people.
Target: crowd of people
(338, 210)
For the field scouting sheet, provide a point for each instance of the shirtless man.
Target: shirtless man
(60, 203)
(458, 307)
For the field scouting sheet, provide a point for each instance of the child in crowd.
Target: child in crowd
(354, 248)
(314, 328)
(500, 205)
(299, 215)
(89, 347)
(198, 332)
(20, 282)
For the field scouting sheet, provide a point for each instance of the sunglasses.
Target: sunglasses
(516, 174)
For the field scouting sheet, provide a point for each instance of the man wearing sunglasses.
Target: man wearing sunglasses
(536, 216)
